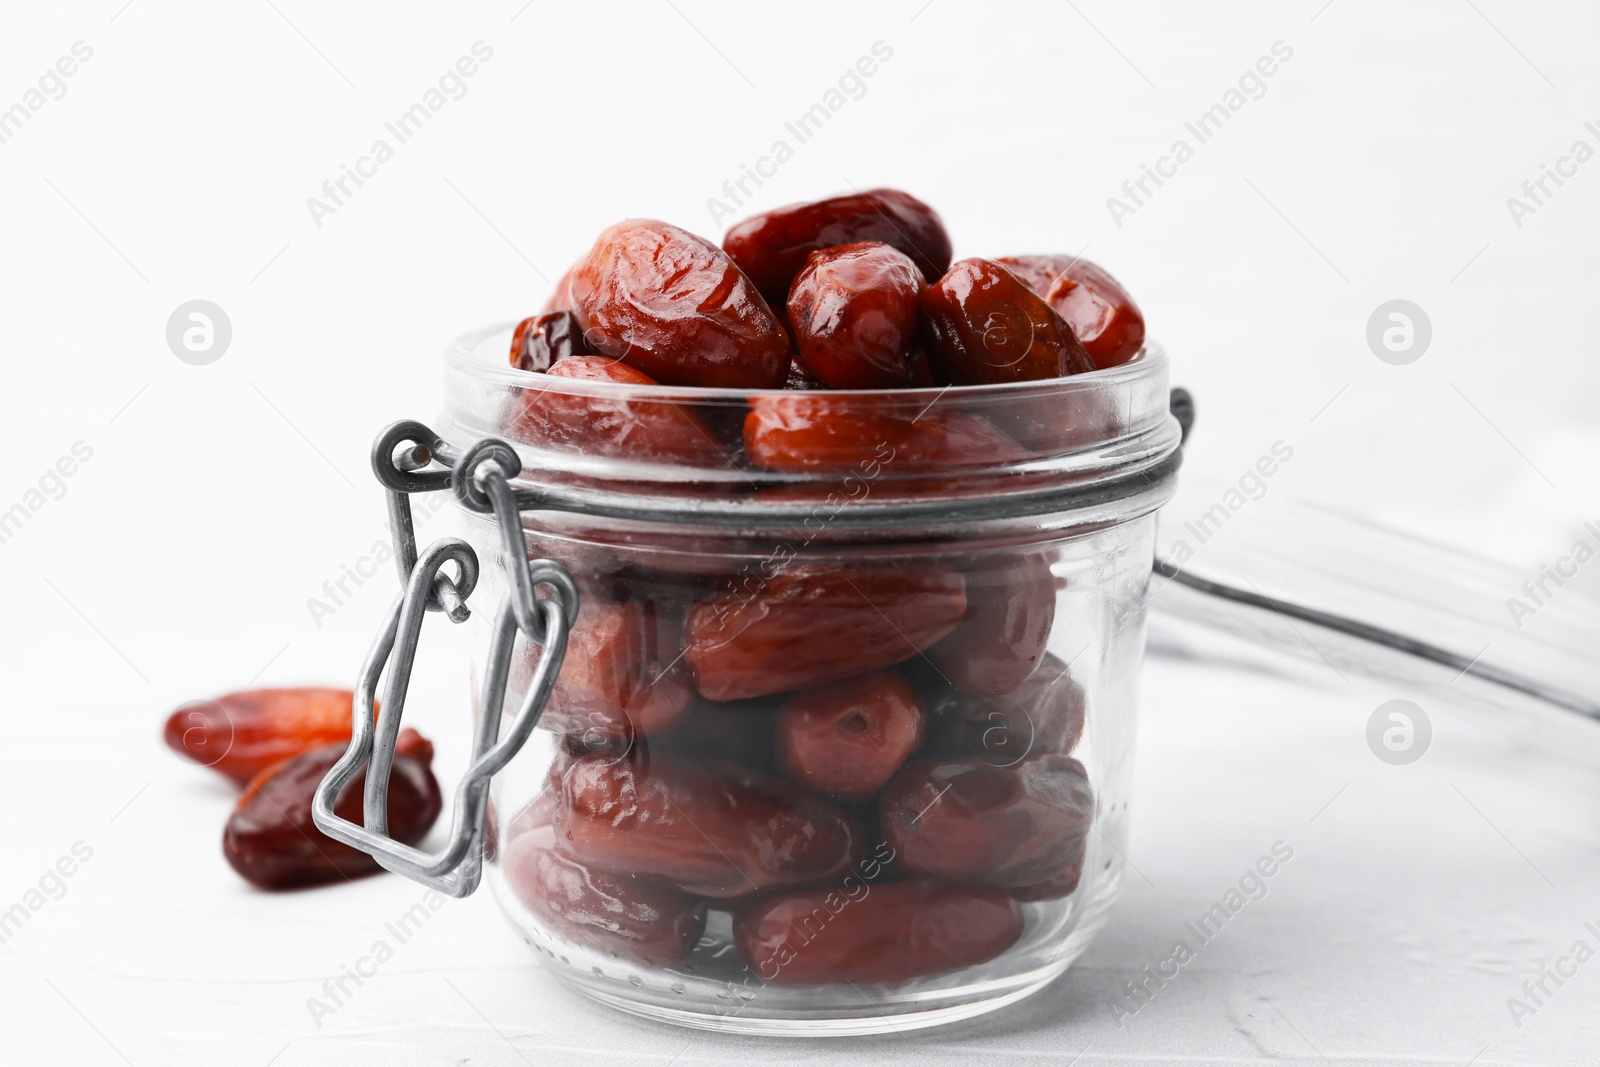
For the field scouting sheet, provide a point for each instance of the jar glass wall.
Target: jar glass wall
(843, 737)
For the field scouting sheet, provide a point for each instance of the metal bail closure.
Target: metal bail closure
(457, 868)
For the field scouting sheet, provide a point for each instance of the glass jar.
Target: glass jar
(842, 740)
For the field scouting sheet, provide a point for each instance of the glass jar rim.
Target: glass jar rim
(468, 353)
(1080, 451)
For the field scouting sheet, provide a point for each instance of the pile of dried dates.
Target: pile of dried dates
(868, 763)
(278, 745)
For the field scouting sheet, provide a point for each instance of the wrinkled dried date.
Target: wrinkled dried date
(620, 679)
(242, 734)
(870, 934)
(985, 325)
(848, 738)
(812, 623)
(539, 342)
(621, 915)
(971, 821)
(677, 308)
(1100, 311)
(271, 840)
(853, 311)
(1043, 716)
(711, 831)
(643, 429)
(844, 434)
(773, 246)
(1011, 606)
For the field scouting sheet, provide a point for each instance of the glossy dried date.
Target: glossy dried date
(242, 734)
(719, 832)
(1011, 606)
(971, 821)
(620, 915)
(773, 246)
(643, 429)
(539, 342)
(271, 840)
(1100, 311)
(677, 308)
(811, 623)
(847, 739)
(1045, 715)
(620, 679)
(853, 311)
(870, 934)
(845, 434)
(985, 325)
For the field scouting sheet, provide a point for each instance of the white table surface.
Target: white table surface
(177, 562)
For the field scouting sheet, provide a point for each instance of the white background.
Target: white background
(219, 498)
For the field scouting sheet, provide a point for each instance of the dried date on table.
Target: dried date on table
(242, 734)
(271, 840)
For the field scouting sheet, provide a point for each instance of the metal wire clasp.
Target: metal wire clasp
(410, 458)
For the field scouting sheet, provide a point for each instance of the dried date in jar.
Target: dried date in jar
(1063, 884)
(538, 343)
(773, 246)
(985, 325)
(1100, 311)
(871, 934)
(621, 426)
(621, 678)
(714, 831)
(1011, 607)
(677, 308)
(840, 434)
(853, 311)
(812, 623)
(1043, 716)
(847, 738)
(971, 821)
(621, 915)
